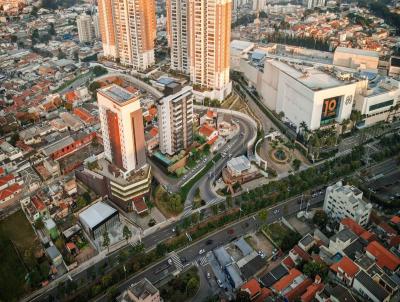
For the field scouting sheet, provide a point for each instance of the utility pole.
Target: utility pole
(301, 202)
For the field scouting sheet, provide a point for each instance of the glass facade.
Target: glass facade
(381, 105)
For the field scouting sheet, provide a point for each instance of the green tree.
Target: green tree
(112, 292)
(94, 86)
(14, 138)
(175, 202)
(39, 224)
(99, 71)
(80, 202)
(214, 209)
(126, 232)
(320, 218)
(313, 268)
(242, 296)
(161, 249)
(52, 31)
(106, 280)
(296, 164)
(263, 215)
(192, 286)
(68, 106)
(106, 240)
(195, 217)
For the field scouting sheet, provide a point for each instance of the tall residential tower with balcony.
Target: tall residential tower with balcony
(175, 119)
(209, 45)
(177, 29)
(128, 31)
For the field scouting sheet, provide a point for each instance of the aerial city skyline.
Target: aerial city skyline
(200, 150)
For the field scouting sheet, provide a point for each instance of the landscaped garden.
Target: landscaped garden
(169, 204)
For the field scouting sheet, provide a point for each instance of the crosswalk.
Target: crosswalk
(203, 261)
(177, 262)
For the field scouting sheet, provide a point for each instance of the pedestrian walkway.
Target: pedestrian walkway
(177, 262)
(203, 261)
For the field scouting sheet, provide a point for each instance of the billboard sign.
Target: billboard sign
(330, 108)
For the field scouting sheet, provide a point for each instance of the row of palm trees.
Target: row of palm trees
(328, 137)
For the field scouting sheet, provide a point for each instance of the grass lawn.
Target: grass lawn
(182, 287)
(282, 236)
(276, 231)
(18, 244)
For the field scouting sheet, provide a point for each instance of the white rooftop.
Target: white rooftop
(96, 214)
(239, 164)
(241, 45)
(117, 94)
(356, 51)
(311, 77)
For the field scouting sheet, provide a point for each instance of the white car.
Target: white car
(202, 251)
(170, 261)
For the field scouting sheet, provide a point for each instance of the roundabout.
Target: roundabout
(280, 155)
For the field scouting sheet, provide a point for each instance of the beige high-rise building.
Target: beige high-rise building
(128, 31)
(209, 44)
(107, 28)
(177, 29)
(85, 28)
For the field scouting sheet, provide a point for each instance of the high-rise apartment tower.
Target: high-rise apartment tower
(177, 29)
(175, 119)
(209, 42)
(85, 28)
(122, 128)
(128, 31)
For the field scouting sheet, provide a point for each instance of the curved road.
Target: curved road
(241, 143)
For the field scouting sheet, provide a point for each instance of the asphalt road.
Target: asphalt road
(237, 146)
(244, 226)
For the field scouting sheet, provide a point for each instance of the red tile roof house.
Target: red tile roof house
(357, 229)
(140, 206)
(345, 270)
(84, 115)
(6, 181)
(395, 221)
(208, 132)
(389, 231)
(257, 294)
(9, 193)
(383, 257)
(292, 285)
(297, 254)
(312, 290)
